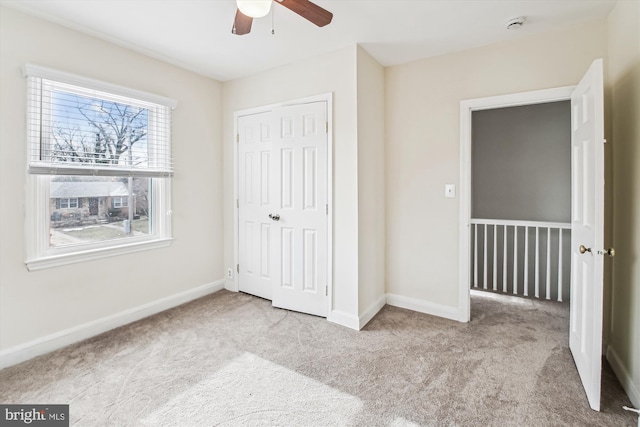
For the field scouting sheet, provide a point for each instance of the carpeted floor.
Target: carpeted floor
(231, 359)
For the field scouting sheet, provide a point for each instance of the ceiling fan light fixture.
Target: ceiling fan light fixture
(254, 8)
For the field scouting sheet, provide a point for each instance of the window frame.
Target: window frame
(68, 203)
(123, 202)
(38, 253)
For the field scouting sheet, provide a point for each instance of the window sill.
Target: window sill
(88, 255)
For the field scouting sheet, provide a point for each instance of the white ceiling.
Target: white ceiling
(196, 34)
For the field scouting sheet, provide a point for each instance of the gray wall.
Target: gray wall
(521, 163)
(521, 170)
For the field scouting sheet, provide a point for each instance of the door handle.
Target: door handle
(611, 252)
(274, 217)
(584, 249)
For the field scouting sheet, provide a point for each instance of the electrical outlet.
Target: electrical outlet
(229, 273)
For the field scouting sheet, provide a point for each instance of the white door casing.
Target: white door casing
(587, 229)
(255, 203)
(283, 206)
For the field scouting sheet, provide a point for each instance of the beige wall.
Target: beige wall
(371, 195)
(623, 27)
(36, 304)
(422, 144)
(334, 72)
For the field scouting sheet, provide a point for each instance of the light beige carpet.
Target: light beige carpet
(232, 360)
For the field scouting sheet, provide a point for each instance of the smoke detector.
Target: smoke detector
(514, 23)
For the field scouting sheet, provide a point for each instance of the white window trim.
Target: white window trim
(38, 253)
(63, 77)
(89, 255)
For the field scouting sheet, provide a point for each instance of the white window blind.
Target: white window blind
(78, 126)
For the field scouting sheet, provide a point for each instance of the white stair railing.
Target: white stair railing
(509, 244)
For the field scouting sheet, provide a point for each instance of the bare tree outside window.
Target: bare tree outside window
(90, 130)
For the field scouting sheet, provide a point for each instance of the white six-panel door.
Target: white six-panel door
(256, 201)
(300, 159)
(282, 206)
(587, 212)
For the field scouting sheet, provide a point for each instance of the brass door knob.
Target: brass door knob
(584, 249)
(611, 252)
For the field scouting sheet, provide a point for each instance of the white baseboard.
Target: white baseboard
(23, 352)
(344, 319)
(372, 311)
(423, 306)
(633, 390)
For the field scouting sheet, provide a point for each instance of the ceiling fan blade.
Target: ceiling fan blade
(310, 11)
(242, 24)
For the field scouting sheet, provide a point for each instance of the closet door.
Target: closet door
(283, 212)
(300, 165)
(256, 238)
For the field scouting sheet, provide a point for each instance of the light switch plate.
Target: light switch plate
(450, 191)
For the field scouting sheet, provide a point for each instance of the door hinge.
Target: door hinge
(326, 127)
(237, 137)
(326, 291)
(238, 203)
(238, 268)
(326, 209)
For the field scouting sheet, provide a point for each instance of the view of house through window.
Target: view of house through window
(90, 209)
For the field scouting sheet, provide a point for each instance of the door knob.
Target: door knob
(274, 217)
(584, 249)
(611, 252)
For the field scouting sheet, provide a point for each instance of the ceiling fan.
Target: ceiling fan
(249, 9)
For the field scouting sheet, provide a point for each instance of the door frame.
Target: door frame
(467, 107)
(325, 97)
(97, 205)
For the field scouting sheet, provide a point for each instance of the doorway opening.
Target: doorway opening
(521, 201)
(472, 241)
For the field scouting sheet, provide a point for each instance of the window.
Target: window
(67, 204)
(119, 202)
(102, 144)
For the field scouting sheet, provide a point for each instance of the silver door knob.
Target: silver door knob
(584, 249)
(274, 217)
